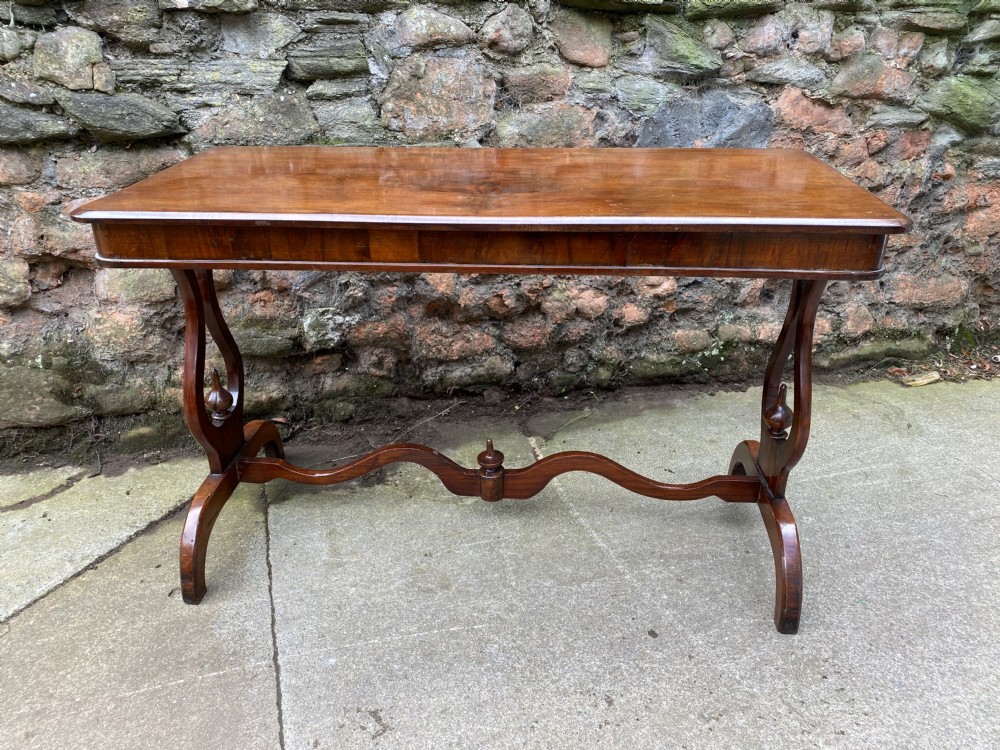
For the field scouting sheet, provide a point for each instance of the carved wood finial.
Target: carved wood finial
(219, 400)
(778, 417)
(490, 459)
(490, 473)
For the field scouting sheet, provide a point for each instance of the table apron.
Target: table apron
(802, 255)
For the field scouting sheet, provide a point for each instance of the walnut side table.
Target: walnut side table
(691, 212)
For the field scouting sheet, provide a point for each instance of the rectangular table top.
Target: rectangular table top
(655, 189)
(400, 202)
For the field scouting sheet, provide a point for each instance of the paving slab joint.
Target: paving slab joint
(93, 564)
(67, 484)
(274, 620)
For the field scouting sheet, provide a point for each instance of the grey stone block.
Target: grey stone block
(21, 126)
(67, 57)
(328, 57)
(123, 117)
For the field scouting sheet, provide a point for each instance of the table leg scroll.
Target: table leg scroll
(204, 509)
(784, 537)
(784, 434)
(262, 435)
(783, 534)
(215, 421)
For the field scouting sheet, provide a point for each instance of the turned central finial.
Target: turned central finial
(491, 474)
(490, 459)
(778, 417)
(219, 400)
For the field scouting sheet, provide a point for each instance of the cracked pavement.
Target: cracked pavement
(391, 614)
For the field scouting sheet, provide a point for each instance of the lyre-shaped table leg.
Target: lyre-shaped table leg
(784, 434)
(215, 421)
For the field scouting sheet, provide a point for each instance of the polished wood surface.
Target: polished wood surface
(613, 211)
(546, 189)
(776, 214)
(770, 254)
(499, 483)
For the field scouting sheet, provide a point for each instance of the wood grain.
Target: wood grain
(798, 255)
(518, 484)
(529, 189)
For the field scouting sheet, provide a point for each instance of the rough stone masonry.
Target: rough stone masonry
(903, 96)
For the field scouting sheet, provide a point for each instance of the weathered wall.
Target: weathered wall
(903, 96)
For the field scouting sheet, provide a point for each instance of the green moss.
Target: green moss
(266, 337)
(36, 398)
(334, 410)
(698, 9)
(118, 399)
(367, 387)
(561, 382)
(986, 6)
(877, 350)
(68, 357)
(656, 367)
(680, 52)
(972, 104)
(159, 431)
(136, 285)
(602, 376)
(626, 6)
(963, 339)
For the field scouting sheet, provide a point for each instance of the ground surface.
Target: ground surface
(387, 613)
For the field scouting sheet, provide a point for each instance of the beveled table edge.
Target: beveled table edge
(500, 224)
(486, 269)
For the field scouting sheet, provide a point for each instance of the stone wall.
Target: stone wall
(902, 95)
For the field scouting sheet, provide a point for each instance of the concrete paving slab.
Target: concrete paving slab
(587, 617)
(387, 568)
(672, 437)
(114, 659)
(44, 544)
(954, 427)
(591, 617)
(899, 554)
(19, 488)
(880, 434)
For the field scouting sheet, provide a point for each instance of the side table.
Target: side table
(691, 212)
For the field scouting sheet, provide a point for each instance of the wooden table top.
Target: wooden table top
(645, 190)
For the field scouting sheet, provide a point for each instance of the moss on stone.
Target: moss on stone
(661, 366)
(265, 338)
(877, 350)
(602, 376)
(698, 9)
(135, 285)
(31, 397)
(673, 51)
(971, 103)
(626, 6)
(561, 382)
(930, 21)
(963, 339)
(487, 371)
(986, 6)
(118, 399)
(334, 410)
